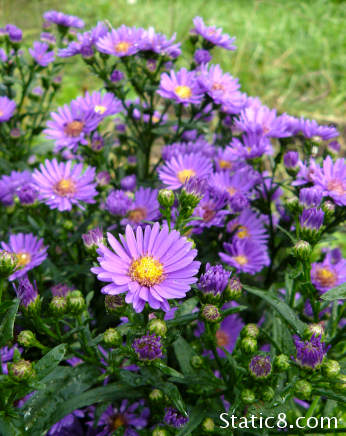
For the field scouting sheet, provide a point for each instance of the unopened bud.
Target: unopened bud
(211, 313)
(247, 396)
(268, 393)
(112, 337)
(8, 263)
(27, 338)
(208, 425)
(76, 302)
(249, 345)
(196, 361)
(156, 395)
(250, 330)
(314, 330)
(302, 250)
(158, 327)
(234, 289)
(21, 370)
(159, 431)
(340, 383)
(303, 389)
(282, 362)
(166, 197)
(58, 305)
(93, 239)
(331, 368)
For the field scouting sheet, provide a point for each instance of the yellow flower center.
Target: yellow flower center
(241, 260)
(222, 338)
(122, 47)
(1, 113)
(326, 277)
(155, 119)
(118, 421)
(183, 91)
(146, 271)
(184, 175)
(231, 190)
(74, 128)
(137, 215)
(23, 258)
(242, 232)
(100, 109)
(225, 164)
(336, 186)
(65, 187)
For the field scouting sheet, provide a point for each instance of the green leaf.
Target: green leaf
(338, 293)
(186, 307)
(184, 353)
(50, 361)
(10, 426)
(197, 414)
(328, 393)
(7, 323)
(173, 394)
(284, 309)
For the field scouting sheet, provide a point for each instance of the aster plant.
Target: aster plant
(168, 242)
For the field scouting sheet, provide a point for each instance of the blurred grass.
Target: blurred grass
(291, 53)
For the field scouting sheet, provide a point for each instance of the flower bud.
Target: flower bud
(328, 208)
(112, 337)
(208, 425)
(58, 305)
(250, 330)
(196, 361)
(211, 313)
(314, 330)
(267, 394)
(159, 431)
(76, 302)
(8, 263)
(249, 345)
(156, 395)
(302, 250)
(303, 389)
(21, 370)
(282, 362)
(166, 197)
(158, 327)
(260, 367)
(113, 303)
(93, 239)
(331, 368)
(27, 338)
(340, 383)
(234, 289)
(247, 396)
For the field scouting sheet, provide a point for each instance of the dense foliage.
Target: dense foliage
(168, 242)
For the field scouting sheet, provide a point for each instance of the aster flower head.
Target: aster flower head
(103, 178)
(311, 219)
(60, 290)
(332, 180)
(252, 146)
(175, 173)
(62, 19)
(311, 129)
(118, 202)
(211, 208)
(248, 226)
(94, 238)
(202, 56)
(214, 280)
(7, 108)
(145, 207)
(26, 291)
(27, 193)
(310, 197)
(158, 43)
(68, 425)
(174, 418)
(124, 41)
(226, 160)
(14, 33)
(310, 354)
(329, 273)
(238, 202)
(40, 53)
(71, 125)
(198, 146)
(102, 104)
(212, 34)
(291, 159)
(241, 182)
(245, 256)
(12, 184)
(29, 250)
(61, 185)
(116, 76)
(181, 86)
(148, 347)
(153, 266)
(307, 173)
(260, 366)
(129, 183)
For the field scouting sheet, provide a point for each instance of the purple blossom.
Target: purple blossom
(182, 87)
(260, 366)
(148, 347)
(94, 238)
(41, 54)
(241, 182)
(310, 354)
(118, 202)
(62, 19)
(291, 159)
(252, 146)
(7, 108)
(211, 209)
(26, 291)
(310, 129)
(129, 183)
(214, 280)
(117, 76)
(202, 56)
(174, 418)
(145, 207)
(60, 290)
(124, 41)
(15, 34)
(329, 273)
(311, 218)
(158, 43)
(178, 148)
(332, 180)
(248, 226)
(310, 197)
(102, 104)
(10, 185)
(103, 178)
(212, 34)
(27, 194)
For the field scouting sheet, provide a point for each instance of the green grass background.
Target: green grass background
(291, 53)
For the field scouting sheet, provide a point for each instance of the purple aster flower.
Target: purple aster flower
(261, 120)
(332, 180)
(97, 142)
(127, 417)
(26, 291)
(61, 186)
(152, 267)
(29, 250)
(60, 290)
(291, 159)
(238, 202)
(310, 129)
(213, 34)
(251, 146)
(311, 219)
(145, 207)
(228, 332)
(102, 104)
(94, 238)
(158, 43)
(214, 280)
(245, 256)
(129, 183)
(27, 194)
(226, 160)
(41, 54)
(103, 178)
(180, 168)
(174, 418)
(69, 425)
(199, 146)
(117, 76)
(3, 55)
(182, 87)
(10, 185)
(210, 209)
(6, 355)
(307, 173)
(260, 366)
(310, 354)
(14, 33)
(71, 125)
(218, 85)
(124, 41)
(248, 226)
(310, 197)
(62, 19)
(202, 56)
(148, 347)
(7, 108)
(329, 273)
(118, 202)
(48, 37)
(195, 186)
(241, 182)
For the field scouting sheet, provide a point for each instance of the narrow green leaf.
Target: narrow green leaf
(50, 361)
(338, 293)
(328, 393)
(173, 394)
(284, 309)
(7, 323)
(186, 307)
(197, 414)
(184, 353)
